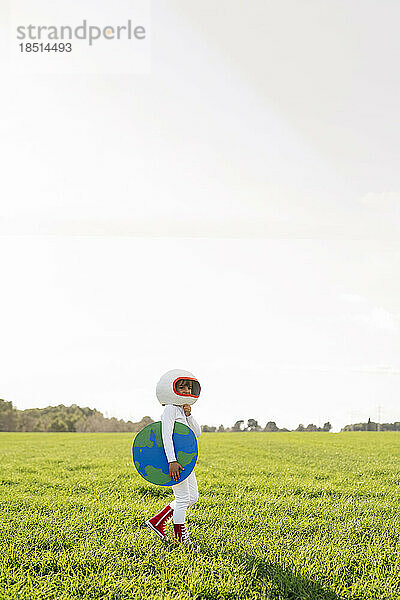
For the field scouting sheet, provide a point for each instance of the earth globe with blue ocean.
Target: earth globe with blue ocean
(149, 456)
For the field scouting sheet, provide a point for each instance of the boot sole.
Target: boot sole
(156, 530)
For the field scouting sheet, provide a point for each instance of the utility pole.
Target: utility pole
(379, 418)
(352, 416)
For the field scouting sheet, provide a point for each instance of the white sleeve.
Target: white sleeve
(194, 426)
(167, 429)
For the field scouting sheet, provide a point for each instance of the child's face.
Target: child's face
(184, 387)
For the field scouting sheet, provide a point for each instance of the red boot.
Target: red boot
(158, 522)
(181, 533)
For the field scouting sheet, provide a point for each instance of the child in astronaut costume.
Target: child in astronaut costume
(177, 390)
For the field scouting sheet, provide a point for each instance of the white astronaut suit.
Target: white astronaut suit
(186, 492)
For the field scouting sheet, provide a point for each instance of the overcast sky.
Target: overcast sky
(234, 212)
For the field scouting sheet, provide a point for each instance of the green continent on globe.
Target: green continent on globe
(144, 437)
(156, 427)
(184, 458)
(181, 428)
(137, 464)
(157, 475)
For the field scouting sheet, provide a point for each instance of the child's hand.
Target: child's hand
(174, 471)
(187, 409)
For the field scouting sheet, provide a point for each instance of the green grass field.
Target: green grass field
(280, 515)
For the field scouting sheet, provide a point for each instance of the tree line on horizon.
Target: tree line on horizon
(271, 426)
(77, 419)
(64, 418)
(373, 426)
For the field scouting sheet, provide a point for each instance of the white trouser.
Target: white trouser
(186, 493)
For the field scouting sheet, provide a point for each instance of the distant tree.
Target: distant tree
(93, 424)
(238, 426)
(371, 426)
(355, 427)
(252, 425)
(57, 423)
(143, 423)
(26, 421)
(8, 416)
(271, 426)
(311, 427)
(327, 426)
(300, 427)
(208, 429)
(221, 429)
(390, 426)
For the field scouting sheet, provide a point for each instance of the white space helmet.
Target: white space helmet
(178, 387)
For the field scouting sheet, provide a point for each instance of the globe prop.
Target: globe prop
(149, 456)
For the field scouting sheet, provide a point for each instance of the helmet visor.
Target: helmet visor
(187, 387)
